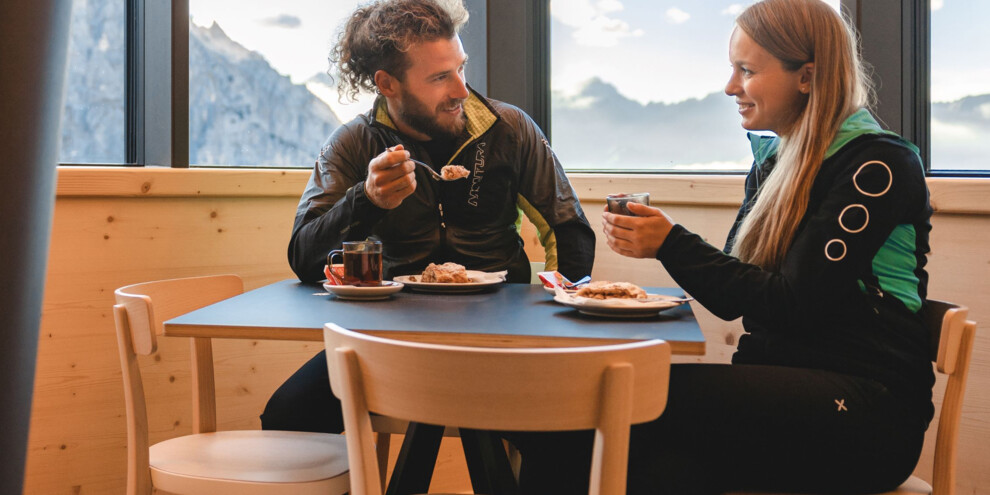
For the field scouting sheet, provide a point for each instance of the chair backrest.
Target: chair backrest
(138, 315)
(534, 268)
(606, 388)
(952, 346)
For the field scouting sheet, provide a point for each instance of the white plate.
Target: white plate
(356, 293)
(621, 308)
(479, 281)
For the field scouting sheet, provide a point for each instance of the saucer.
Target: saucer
(355, 293)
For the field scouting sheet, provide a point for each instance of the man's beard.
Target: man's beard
(415, 114)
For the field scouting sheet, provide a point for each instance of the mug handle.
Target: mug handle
(328, 271)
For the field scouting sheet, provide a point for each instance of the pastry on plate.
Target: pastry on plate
(447, 273)
(603, 289)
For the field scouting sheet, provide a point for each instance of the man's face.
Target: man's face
(432, 93)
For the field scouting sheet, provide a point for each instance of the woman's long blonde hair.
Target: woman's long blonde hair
(797, 32)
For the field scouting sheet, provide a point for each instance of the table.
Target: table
(506, 315)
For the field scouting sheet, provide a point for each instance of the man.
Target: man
(364, 184)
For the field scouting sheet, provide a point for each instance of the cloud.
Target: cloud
(283, 20)
(734, 9)
(592, 24)
(609, 5)
(677, 16)
(937, 4)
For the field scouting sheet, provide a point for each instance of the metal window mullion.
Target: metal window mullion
(134, 84)
(179, 102)
(475, 39)
(895, 38)
(157, 83)
(519, 56)
(540, 55)
(916, 40)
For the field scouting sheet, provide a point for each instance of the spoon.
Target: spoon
(433, 173)
(662, 299)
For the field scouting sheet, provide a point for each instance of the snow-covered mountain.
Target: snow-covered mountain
(93, 116)
(599, 128)
(325, 89)
(961, 133)
(241, 111)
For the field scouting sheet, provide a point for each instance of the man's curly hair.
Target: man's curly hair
(378, 35)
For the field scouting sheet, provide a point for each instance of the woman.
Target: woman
(830, 387)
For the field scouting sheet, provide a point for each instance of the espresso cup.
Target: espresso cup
(362, 262)
(617, 202)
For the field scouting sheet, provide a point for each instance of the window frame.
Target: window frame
(157, 79)
(157, 84)
(903, 101)
(518, 35)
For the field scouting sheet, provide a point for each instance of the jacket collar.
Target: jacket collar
(479, 114)
(859, 123)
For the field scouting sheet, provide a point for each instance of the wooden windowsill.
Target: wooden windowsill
(948, 195)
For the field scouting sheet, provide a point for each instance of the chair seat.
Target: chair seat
(207, 463)
(912, 486)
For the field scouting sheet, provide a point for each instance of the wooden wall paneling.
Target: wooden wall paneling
(77, 442)
(115, 227)
(959, 271)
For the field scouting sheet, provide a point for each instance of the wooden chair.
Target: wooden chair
(952, 345)
(534, 268)
(385, 427)
(606, 388)
(209, 462)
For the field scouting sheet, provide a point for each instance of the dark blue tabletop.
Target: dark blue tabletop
(292, 310)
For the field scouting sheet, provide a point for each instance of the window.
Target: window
(960, 86)
(259, 94)
(637, 85)
(93, 114)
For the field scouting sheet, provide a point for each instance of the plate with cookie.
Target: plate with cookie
(617, 299)
(450, 277)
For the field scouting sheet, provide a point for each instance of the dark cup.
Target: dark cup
(617, 202)
(362, 263)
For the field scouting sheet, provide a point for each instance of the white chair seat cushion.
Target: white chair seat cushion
(913, 486)
(253, 456)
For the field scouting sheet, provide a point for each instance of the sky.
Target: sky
(651, 50)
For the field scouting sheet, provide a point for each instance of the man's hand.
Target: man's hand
(390, 178)
(640, 236)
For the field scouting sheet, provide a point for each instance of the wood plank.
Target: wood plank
(109, 234)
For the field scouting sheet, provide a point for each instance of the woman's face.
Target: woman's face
(769, 96)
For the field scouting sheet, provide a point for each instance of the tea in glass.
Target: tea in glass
(617, 202)
(362, 263)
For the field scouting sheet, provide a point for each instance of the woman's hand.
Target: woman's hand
(640, 236)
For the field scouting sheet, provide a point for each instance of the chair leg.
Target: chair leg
(382, 443)
(515, 458)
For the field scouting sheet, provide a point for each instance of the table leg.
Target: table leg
(417, 458)
(487, 463)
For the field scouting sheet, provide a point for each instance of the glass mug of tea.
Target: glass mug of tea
(362, 263)
(617, 202)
